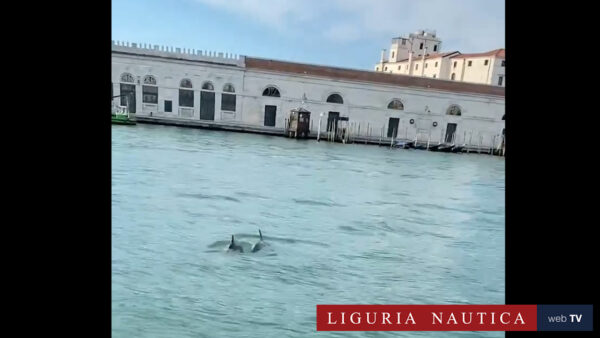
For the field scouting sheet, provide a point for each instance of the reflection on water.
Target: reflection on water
(345, 224)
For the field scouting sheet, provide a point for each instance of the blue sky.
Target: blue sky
(344, 33)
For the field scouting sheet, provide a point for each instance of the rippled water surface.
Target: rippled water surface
(344, 224)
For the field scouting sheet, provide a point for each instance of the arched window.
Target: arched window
(396, 104)
(453, 110)
(208, 86)
(271, 91)
(186, 96)
(150, 90)
(186, 83)
(126, 77)
(150, 80)
(452, 76)
(335, 98)
(228, 100)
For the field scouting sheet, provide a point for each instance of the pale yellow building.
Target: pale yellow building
(420, 55)
(487, 68)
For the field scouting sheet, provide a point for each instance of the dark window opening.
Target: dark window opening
(453, 110)
(228, 102)
(208, 86)
(452, 76)
(454, 64)
(421, 46)
(470, 63)
(186, 98)
(503, 63)
(435, 48)
(396, 104)
(186, 83)
(150, 94)
(168, 106)
(149, 79)
(485, 62)
(335, 98)
(271, 91)
(500, 79)
(126, 77)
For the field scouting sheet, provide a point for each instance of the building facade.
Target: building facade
(197, 86)
(420, 55)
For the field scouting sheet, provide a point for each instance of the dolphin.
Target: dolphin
(234, 247)
(260, 244)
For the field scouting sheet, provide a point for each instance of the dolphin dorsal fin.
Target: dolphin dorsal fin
(260, 234)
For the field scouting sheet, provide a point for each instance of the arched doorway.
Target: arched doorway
(127, 91)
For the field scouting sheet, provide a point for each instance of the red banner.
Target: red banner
(426, 317)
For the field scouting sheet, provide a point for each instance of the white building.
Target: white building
(420, 55)
(199, 88)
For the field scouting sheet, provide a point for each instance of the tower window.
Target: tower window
(392, 54)
(470, 63)
(435, 48)
(485, 62)
(421, 46)
(500, 79)
(502, 64)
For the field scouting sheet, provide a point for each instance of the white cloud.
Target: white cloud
(467, 25)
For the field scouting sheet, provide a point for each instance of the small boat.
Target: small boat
(403, 144)
(121, 115)
(444, 148)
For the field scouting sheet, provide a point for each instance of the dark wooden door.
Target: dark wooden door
(270, 114)
(207, 106)
(450, 131)
(393, 127)
(332, 121)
